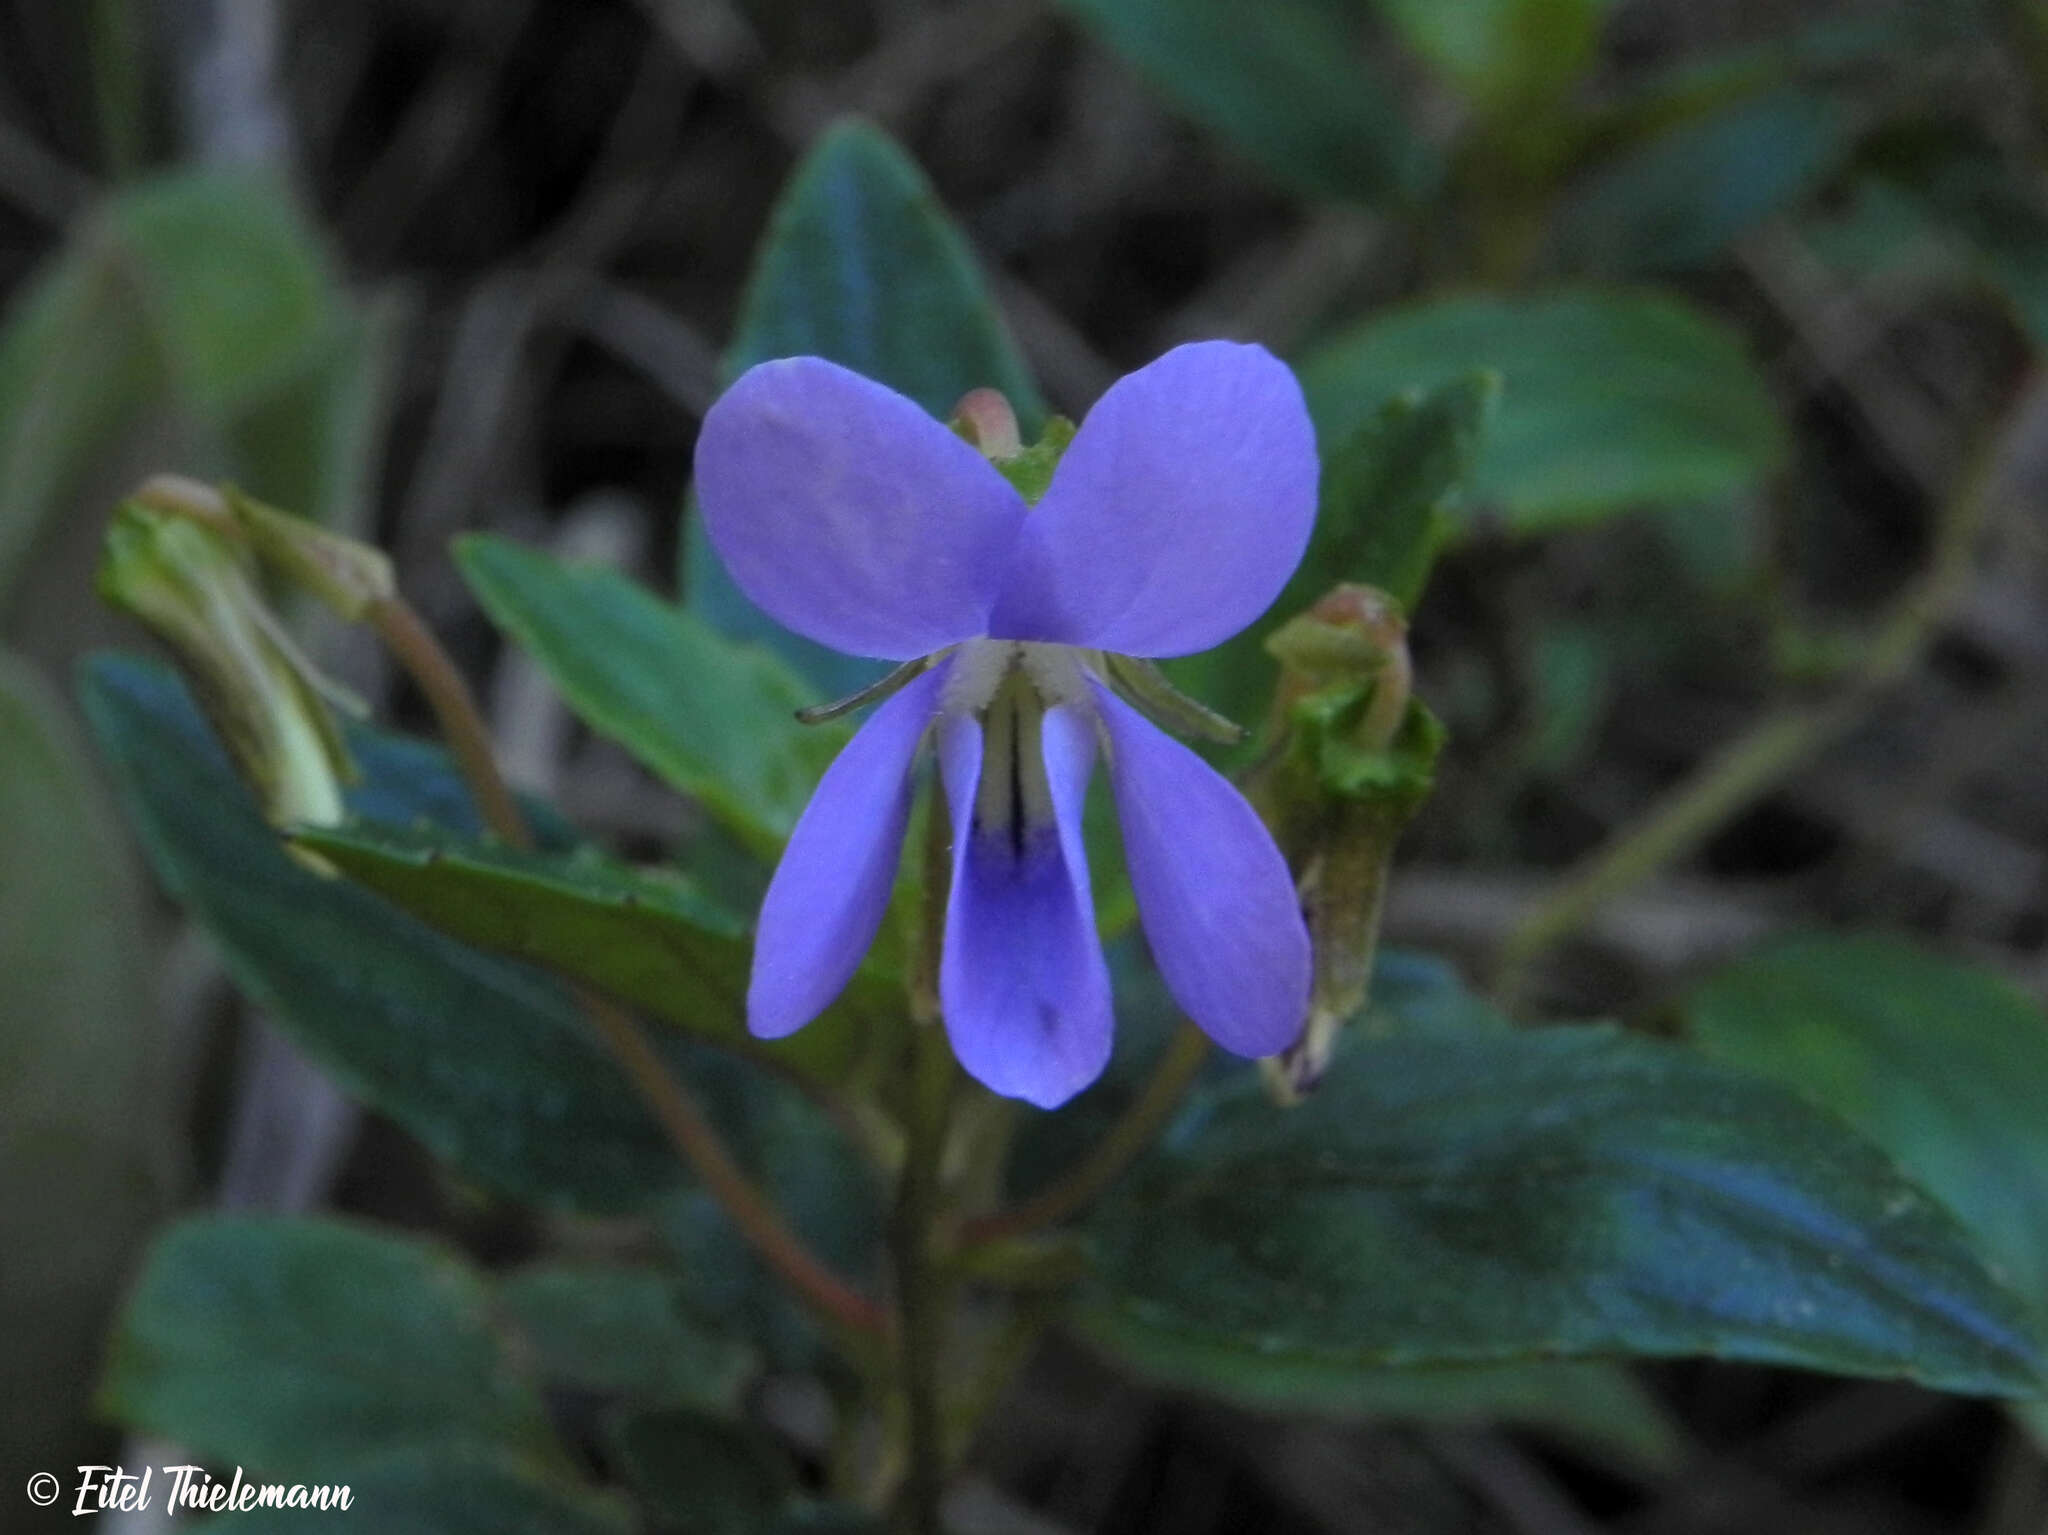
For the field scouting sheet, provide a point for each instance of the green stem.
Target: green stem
(922, 1294)
(1129, 1137)
(1774, 748)
(689, 1129)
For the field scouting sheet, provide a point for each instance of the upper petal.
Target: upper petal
(848, 514)
(1214, 894)
(832, 886)
(1178, 512)
(1022, 981)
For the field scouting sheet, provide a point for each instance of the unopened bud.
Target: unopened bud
(190, 582)
(985, 419)
(1353, 757)
(350, 577)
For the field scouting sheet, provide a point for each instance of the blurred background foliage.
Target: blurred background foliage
(1700, 341)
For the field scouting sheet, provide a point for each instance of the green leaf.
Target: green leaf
(1942, 1064)
(486, 1062)
(716, 719)
(1542, 1194)
(1388, 490)
(304, 1348)
(1677, 200)
(646, 939)
(860, 265)
(1385, 508)
(1286, 82)
(1502, 53)
(460, 1493)
(204, 290)
(73, 369)
(230, 279)
(1611, 397)
(624, 1332)
(1599, 1405)
(88, 1155)
(1964, 196)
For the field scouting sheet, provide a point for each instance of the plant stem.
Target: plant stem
(416, 649)
(1776, 746)
(1127, 1138)
(681, 1117)
(922, 1296)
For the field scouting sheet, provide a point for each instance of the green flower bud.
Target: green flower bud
(186, 577)
(1353, 757)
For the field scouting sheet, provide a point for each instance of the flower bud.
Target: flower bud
(189, 581)
(1353, 757)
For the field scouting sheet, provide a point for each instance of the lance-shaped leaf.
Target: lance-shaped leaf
(1611, 398)
(1943, 1064)
(714, 717)
(89, 1158)
(1287, 82)
(1678, 199)
(1559, 1192)
(861, 266)
(205, 291)
(486, 1061)
(650, 941)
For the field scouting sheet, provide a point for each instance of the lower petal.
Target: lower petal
(1217, 902)
(1022, 980)
(833, 884)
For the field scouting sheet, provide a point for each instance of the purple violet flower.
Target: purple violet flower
(1172, 521)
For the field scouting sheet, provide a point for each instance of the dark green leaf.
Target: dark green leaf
(486, 1061)
(74, 366)
(1387, 490)
(648, 940)
(1611, 397)
(1679, 199)
(439, 1493)
(230, 279)
(1600, 1405)
(1287, 82)
(714, 718)
(304, 1348)
(203, 290)
(624, 1332)
(88, 1155)
(1552, 1193)
(1942, 1064)
(860, 265)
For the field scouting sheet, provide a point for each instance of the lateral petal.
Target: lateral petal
(828, 895)
(1217, 903)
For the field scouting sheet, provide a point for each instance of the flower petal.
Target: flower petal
(832, 886)
(1022, 980)
(848, 514)
(1214, 894)
(1177, 514)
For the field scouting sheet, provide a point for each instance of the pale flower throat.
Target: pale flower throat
(1008, 685)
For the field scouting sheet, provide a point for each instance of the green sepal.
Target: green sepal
(1030, 471)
